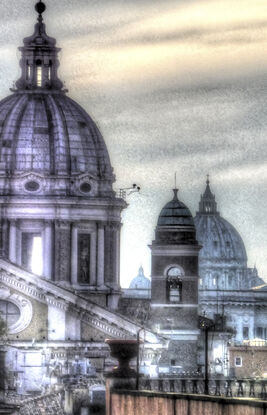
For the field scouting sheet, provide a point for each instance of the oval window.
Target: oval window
(32, 186)
(85, 187)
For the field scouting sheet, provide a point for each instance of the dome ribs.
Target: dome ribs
(12, 131)
(224, 232)
(50, 127)
(78, 143)
(6, 106)
(102, 157)
(61, 137)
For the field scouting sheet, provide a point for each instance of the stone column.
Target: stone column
(74, 254)
(47, 250)
(62, 251)
(100, 254)
(93, 256)
(4, 240)
(12, 241)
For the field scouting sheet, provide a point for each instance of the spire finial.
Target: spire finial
(208, 179)
(40, 8)
(175, 191)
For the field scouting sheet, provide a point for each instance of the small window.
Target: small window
(32, 186)
(238, 361)
(259, 332)
(172, 362)
(200, 282)
(215, 244)
(85, 187)
(245, 333)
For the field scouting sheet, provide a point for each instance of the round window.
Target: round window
(85, 187)
(32, 186)
(9, 312)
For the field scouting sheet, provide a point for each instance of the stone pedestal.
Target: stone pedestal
(121, 377)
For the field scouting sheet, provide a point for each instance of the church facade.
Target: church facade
(59, 228)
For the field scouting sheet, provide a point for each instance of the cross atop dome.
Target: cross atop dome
(39, 61)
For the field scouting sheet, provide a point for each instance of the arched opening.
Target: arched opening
(39, 72)
(174, 285)
(37, 255)
(50, 70)
(28, 71)
(32, 252)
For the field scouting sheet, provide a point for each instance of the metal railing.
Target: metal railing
(253, 388)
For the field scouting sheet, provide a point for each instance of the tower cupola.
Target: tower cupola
(39, 61)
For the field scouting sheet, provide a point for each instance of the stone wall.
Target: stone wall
(144, 402)
(47, 404)
(248, 361)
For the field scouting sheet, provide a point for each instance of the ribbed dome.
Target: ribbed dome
(175, 213)
(49, 144)
(50, 133)
(219, 239)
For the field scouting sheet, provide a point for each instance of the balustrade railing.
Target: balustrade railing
(253, 388)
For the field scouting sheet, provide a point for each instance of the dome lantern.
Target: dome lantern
(39, 61)
(207, 204)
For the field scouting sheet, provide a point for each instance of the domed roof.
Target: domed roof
(50, 133)
(175, 213)
(219, 239)
(140, 281)
(41, 129)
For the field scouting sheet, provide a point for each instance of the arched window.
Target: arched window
(39, 74)
(49, 70)
(174, 284)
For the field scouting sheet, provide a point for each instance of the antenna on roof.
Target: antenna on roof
(175, 180)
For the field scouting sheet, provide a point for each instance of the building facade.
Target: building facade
(59, 228)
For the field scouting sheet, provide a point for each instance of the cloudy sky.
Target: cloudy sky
(174, 85)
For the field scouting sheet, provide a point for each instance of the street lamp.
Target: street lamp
(206, 324)
(127, 191)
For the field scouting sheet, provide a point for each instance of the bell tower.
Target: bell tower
(174, 297)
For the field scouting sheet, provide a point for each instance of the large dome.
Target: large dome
(46, 135)
(219, 239)
(45, 131)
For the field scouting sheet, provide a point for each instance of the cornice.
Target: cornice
(47, 292)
